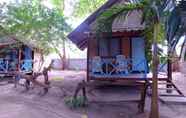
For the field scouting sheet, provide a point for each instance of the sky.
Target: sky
(71, 50)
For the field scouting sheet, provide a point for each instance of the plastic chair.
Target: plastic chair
(121, 64)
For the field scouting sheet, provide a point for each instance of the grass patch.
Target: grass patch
(58, 79)
(79, 102)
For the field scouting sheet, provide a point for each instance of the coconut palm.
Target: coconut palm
(154, 13)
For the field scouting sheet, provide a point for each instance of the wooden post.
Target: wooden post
(169, 70)
(19, 60)
(89, 36)
(154, 99)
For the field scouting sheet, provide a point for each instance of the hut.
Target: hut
(17, 56)
(121, 55)
(126, 44)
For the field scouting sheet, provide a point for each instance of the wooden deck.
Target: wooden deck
(135, 76)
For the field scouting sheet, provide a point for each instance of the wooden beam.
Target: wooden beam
(88, 57)
(123, 34)
(19, 60)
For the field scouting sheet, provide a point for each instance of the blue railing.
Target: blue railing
(27, 65)
(12, 65)
(3, 65)
(112, 67)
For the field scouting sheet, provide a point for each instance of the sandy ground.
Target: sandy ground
(16, 103)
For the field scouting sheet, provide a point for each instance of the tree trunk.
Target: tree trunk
(154, 99)
(64, 56)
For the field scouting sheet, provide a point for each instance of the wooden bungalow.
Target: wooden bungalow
(16, 56)
(120, 55)
(125, 43)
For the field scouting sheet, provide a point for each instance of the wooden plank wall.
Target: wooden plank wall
(93, 48)
(126, 47)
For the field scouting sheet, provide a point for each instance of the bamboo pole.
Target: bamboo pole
(154, 99)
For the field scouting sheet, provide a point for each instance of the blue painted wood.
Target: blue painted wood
(27, 61)
(2, 65)
(26, 65)
(27, 53)
(138, 53)
(103, 47)
(117, 68)
(115, 47)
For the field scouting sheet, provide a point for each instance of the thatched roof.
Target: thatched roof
(8, 41)
(133, 22)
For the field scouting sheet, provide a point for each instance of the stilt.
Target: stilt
(143, 97)
(169, 70)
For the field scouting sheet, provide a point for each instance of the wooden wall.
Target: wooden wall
(93, 48)
(126, 47)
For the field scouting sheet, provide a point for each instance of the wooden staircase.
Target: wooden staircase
(169, 93)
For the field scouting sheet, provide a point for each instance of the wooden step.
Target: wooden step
(164, 83)
(175, 100)
(170, 95)
(165, 93)
(166, 89)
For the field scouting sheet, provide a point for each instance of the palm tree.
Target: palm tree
(153, 13)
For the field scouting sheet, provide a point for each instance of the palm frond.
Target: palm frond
(173, 24)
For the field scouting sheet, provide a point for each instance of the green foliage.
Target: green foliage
(148, 34)
(75, 103)
(85, 7)
(175, 26)
(59, 4)
(32, 22)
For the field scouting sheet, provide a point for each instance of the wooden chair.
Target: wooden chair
(96, 65)
(121, 64)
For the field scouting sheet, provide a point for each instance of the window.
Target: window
(109, 47)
